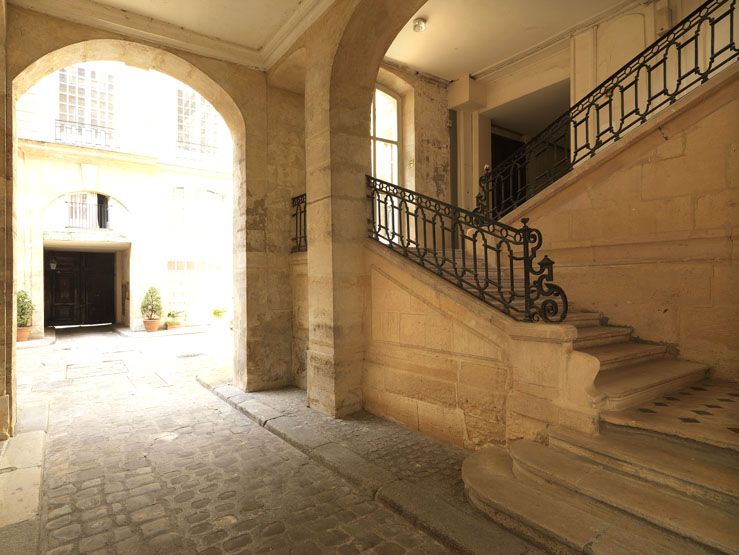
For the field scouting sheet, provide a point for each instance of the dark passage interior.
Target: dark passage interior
(79, 288)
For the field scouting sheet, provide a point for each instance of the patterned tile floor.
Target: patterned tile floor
(707, 412)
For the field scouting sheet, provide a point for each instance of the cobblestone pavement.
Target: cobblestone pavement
(141, 459)
(408, 455)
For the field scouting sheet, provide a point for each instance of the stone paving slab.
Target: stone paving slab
(21, 460)
(416, 476)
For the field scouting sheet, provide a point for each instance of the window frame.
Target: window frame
(373, 130)
(89, 86)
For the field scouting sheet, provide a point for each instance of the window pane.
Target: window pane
(387, 116)
(387, 162)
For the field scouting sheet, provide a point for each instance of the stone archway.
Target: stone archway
(344, 54)
(21, 77)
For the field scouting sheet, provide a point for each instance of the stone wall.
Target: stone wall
(299, 285)
(441, 362)
(286, 179)
(7, 293)
(646, 230)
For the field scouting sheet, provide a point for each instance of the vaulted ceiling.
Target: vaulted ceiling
(463, 36)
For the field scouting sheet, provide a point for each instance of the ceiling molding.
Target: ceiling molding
(290, 31)
(88, 12)
(490, 71)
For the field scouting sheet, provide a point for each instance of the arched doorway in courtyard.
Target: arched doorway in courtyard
(81, 232)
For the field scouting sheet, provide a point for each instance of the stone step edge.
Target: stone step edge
(584, 446)
(539, 472)
(635, 396)
(613, 419)
(456, 529)
(490, 470)
(652, 353)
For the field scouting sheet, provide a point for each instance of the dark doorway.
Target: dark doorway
(510, 191)
(79, 288)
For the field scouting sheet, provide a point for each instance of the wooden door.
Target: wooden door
(98, 288)
(80, 288)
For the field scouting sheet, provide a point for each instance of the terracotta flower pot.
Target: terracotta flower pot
(173, 325)
(23, 333)
(151, 325)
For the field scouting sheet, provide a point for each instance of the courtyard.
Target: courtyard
(141, 458)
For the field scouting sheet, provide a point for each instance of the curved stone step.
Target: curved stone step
(625, 354)
(638, 383)
(700, 522)
(558, 520)
(594, 336)
(701, 471)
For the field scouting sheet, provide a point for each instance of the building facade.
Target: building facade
(135, 168)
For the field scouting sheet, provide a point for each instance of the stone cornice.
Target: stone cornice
(88, 12)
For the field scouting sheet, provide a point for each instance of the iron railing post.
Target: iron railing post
(526, 237)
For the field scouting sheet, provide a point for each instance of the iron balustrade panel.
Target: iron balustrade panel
(299, 231)
(689, 54)
(490, 260)
(87, 215)
(85, 134)
(196, 151)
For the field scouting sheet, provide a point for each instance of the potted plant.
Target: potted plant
(218, 313)
(173, 319)
(25, 315)
(151, 309)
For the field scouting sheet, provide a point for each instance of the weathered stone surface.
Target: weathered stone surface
(187, 473)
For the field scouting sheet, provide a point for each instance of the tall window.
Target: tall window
(86, 106)
(385, 137)
(197, 124)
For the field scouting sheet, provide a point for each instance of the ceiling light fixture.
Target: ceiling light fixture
(419, 25)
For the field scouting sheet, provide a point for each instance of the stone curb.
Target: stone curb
(184, 330)
(453, 528)
(49, 338)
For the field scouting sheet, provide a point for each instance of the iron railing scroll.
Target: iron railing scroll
(689, 54)
(300, 237)
(494, 262)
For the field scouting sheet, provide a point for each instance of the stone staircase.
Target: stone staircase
(662, 477)
(631, 371)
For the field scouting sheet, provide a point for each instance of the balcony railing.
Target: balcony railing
(698, 47)
(87, 215)
(196, 152)
(299, 235)
(85, 134)
(492, 261)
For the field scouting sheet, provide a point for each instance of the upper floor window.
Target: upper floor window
(385, 136)
(86, 106)
(197, 125)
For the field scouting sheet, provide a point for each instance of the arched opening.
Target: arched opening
(88, 206)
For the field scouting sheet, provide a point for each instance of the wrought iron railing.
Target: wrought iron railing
(87, 215)
(494, 262)
(85, 134)
(692, 51)
(196, 151)
(300, 237)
